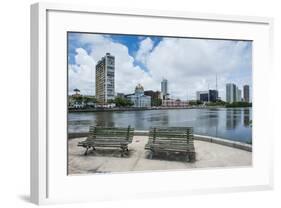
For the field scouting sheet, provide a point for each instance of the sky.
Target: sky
(188, 64)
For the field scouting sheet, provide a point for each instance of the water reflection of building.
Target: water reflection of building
(233, 118)
(208, 122)
(157, 118)
(164, 119)
(104, 119)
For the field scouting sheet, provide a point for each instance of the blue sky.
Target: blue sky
(189, 65)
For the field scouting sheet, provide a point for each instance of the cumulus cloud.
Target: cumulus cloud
(145, 48)
(80, 74)
(189, 65)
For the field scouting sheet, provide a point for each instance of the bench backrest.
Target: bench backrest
(113, 133)
(171, 135)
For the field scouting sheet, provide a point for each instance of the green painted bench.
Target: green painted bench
(172, 139)
(104, 137)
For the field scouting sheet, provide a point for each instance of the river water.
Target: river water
(227, 123)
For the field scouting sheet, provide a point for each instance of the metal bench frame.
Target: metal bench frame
(104, 137)
(172, 139)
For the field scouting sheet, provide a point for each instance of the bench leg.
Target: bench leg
(86, 152)
(191, 156)
(151, 154)
(122, 151)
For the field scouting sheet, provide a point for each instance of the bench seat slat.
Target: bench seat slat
(105, 143)
(111, 128)
(109, 144)
(113, 132)
(170, 145)
(174, 150)
(110, 137)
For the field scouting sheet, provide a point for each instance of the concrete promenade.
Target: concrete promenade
(208, 155)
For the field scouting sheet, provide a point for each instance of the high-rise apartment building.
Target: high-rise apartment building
(202, 96)
(207, 96)
(231, 92)
(239, 98)
(164, 88)
(213, 95)
(246, 93)
(105, 83)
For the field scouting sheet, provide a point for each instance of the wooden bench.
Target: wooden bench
(172, 139)
(101, 137)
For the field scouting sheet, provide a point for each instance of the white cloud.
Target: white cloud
(81, 74)
(145, 48)
(82, 58)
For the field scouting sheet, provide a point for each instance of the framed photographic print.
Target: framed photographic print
(133, 103)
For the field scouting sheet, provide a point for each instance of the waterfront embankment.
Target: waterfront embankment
(73, 110)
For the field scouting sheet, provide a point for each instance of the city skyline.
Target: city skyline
(147, 60)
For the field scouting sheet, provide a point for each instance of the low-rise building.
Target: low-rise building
(202, 96)
(76, 100)
(139, 99)
(120, 95)
(207, 96)
(175, 103)
(155, 97)
(213, 95)
(108, 105)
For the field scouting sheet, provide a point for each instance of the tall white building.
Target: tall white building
(105, 83)
(239, 98)
(231, 93)
(246, 93)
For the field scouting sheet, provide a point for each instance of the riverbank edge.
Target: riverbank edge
(142, 109)
(216, 140)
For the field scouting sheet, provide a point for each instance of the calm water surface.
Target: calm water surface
(227, 123)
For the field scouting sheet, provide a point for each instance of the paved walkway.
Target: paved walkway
(104, 161)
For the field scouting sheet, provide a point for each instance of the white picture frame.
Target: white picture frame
(49, 180)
